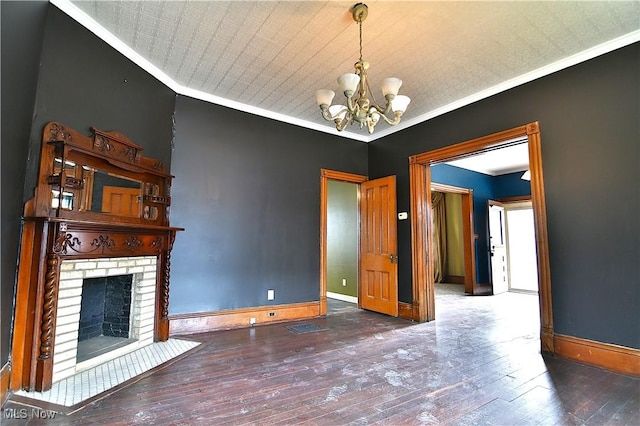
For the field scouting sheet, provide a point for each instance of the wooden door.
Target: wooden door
(121, 201)
(379, 260)
(498, 247)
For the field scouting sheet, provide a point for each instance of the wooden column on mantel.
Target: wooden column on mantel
(68, 219)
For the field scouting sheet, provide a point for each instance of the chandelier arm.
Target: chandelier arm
(382, 110)
(376, 105)
(326, 114)
(352, 107)
(396, 118)
(342, 123)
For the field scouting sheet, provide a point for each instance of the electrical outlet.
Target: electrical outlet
(252, 321)
(271, 294)
(272, 314)
(344, 282)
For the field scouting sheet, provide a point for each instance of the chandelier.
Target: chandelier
(358, 107)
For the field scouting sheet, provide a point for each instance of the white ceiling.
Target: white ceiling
(269, 57)
(507, 159)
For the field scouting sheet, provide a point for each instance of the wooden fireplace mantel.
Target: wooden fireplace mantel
(96, 197)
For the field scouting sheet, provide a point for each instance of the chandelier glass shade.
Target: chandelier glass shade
(358, 108)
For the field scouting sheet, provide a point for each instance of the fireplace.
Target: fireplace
(100, 211)
(105, 309)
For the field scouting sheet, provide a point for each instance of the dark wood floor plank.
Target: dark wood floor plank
(478, 363)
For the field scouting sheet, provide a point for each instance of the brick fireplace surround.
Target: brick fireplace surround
(72, 275)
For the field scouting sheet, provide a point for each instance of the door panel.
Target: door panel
(121, 201)
(379, 261)
(498, 248)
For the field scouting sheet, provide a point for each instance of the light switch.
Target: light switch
(271, 294)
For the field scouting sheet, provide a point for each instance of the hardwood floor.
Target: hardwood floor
(478, 363)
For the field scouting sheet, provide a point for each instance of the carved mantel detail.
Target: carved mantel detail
(68, 218)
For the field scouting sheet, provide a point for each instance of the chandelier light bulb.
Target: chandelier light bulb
(324, 97)
(390, 86)
(400, 103)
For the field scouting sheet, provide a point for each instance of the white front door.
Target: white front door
(498, 248)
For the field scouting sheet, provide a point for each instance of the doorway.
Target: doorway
(327, 176)
(420, 194)
(463, 210)
(342, 241)
(377, 282)
(521, 247)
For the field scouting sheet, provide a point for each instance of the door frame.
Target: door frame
(421, 246)
(325, 176)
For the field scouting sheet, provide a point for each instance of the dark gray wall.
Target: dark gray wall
(247, 190)
(590, 132)
(84, 82)
(22, 26)
(54, 69)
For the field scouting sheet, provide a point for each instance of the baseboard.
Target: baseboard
(482, 289)
(454, 279)
(238, 318)
(405, 310)
(343, 297)
(616, 358)
(4, 383)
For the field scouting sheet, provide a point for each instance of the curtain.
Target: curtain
(439, 236)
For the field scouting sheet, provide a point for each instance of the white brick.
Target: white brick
(117, 271)
(85, 265)
(141, 261)
(69, 292)
(147, 303)
(146, 296)
(146, 336)
(70, 336)
(71, 283)
(68, 301)
(68, 319)
(64, 357)
(126, 263)
(66, 328)
(149, 275)
(57, 376)
(66, 346)
(67, 266)
(95, 273)
(107, 263)
(146, 315)
(135, 269)
(69, 275)
(68, 310)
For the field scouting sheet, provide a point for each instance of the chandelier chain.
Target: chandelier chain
(360, 26)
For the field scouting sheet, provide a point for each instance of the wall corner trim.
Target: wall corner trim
(4, 383)
(204, 322)
(620, 359)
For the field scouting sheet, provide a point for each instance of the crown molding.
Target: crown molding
(88, 22)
